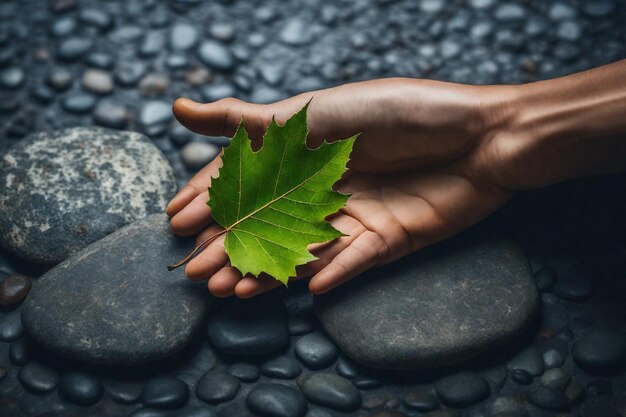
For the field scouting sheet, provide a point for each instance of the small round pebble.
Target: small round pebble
(299, 326)
(556, 379)
(549, 399)
(421, 401)
(11, 327)
(462, 389)
(111, 115)
(245, 372)
(38, 378)
(553, 359)
(197, 154)
(80, 388)
(19, 352)
(78, 103)
(217, 387)
(521, 376)
(366, 382)
(13, 289)
(282, 367)
(601, 350)
(316, 351)
(125, 392)
(275, 400)
(346, 368)
(529, 359)
(165, 393)
(331, 391)
(97, 81)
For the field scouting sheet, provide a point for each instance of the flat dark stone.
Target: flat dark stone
(282, 367)
(165, 393)
(462, 389)
(83, 183)
(276, 401)
(421, 401)
(11, 327)
(106, 304)
(439, 306)
(81, 389)
(245, 372)
(549, 399)
(38, 378)
(316, 351)
(217, 386)
(331, 391)
(601, 350)
(249, 327)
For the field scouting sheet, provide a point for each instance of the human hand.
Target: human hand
(423, 169)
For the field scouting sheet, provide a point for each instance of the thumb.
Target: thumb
(221, 118)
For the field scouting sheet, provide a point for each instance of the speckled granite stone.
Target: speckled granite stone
(62, 190)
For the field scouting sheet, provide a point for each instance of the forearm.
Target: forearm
(569, 127)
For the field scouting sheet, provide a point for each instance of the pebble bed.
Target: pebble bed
(119, 64)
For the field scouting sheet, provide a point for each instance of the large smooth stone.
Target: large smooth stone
(439, 306)
(62, 190)
(115, 302)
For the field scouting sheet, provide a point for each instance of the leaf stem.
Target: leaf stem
(196, 250)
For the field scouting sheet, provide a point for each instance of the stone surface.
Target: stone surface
(11, 327)
(529, 360)
(421, 401)
(106, 303)
(75, 195)
(245, 372)
(249, 327)
(38, 378)
(331, 391)
(13, 290)
(282, 367)
(216, 387)
(275, 400)
(165, 393)
(601, 350)
(463, 389)
(216, 55)
(316, 351)
(480, 294)
(197, 154)
(80, 388)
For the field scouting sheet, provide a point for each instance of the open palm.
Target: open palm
(414, 176)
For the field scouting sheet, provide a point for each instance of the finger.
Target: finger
(224, 281)
(250, 287)
(211, 259)
(325, 252)
(364, 253)
(221, 118)
(197, 185)
(193, 218)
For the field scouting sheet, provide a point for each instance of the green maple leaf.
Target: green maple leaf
(273, 203)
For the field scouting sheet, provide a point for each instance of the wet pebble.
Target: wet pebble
(183, 37)
(249, 327)
(155, 112)
(601, 350)
(331, 391)
(109, 114)
(366, 382)
(12, 77)
(100, 60)
(216, 55)
(78, 103)
(346, 368)
(549, 399)
(11, 327)
(80, 388)
(521, 376)
(544, 278)
(529, 359)
(13, 289)
(421, 401)
(299, 326)
(73, 48)
(95, 17)
(553, 359)
(165, 393)
(556, 379)
(275, 400)
(196, 155)
(245, 372)
(127, 73)
(282, 367)
(38, 378)
(97, 81)
(316, 351)
(462, 389)
(19, 352)
(217, 387)
(59, 79)
(125, 392)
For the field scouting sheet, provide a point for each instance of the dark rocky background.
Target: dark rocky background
(119, 64)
